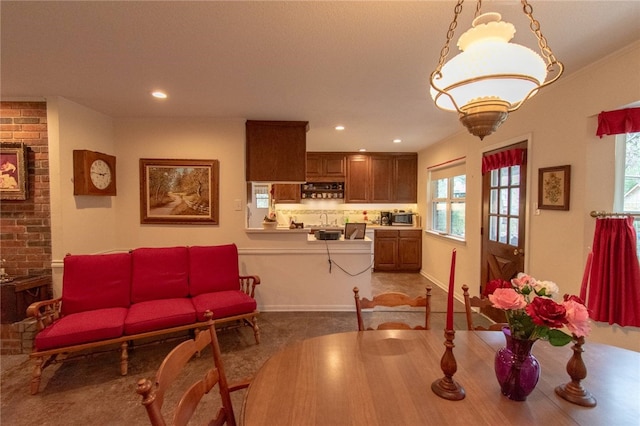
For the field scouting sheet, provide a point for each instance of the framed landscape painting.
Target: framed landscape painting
(13, 171)
(179, 191)
(554, 187)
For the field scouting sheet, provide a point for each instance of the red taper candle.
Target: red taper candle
(452, 276)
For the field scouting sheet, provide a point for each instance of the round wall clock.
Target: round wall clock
(94, 173)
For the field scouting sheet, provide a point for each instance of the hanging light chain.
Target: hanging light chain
(534, 25)
(450, 33)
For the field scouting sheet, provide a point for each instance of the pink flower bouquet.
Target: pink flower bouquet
(533, 314)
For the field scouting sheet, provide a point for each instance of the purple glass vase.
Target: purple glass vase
(517, 370)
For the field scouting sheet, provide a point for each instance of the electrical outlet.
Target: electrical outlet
(237, 205)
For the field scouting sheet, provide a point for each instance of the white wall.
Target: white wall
(561, 121)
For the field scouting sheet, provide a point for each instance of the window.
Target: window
(447, 192)
(627, 194)
(261, 193)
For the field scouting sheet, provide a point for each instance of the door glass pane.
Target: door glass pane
(440, 217)
(493, 202)
(504, 199)
(515, 201)
(515, 175)
(494, 178)
(457, 219)
(493, 228)
(513, 231)
(502, 230)
(504, 176)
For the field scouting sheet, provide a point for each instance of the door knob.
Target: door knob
(517, 252)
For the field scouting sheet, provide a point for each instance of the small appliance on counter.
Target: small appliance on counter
(400, 218)
(321, 234)
(385, 218)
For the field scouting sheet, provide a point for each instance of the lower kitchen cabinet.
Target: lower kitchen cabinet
(397, 250)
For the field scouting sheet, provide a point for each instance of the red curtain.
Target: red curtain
(618, 122)
(613, 289)
(508, 158)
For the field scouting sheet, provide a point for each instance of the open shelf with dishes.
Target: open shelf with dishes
(322, 190)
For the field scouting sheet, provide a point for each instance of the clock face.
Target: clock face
(100, 174)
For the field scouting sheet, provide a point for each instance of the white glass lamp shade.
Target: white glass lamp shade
(489, 68)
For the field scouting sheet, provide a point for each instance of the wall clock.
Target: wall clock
(94, 173)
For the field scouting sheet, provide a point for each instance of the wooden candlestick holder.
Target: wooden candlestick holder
(446, 387)
(573, 391)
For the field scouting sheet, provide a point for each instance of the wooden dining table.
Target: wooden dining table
(384, 378)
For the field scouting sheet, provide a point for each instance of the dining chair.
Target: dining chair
(170, 370)
(393, 299)
(477, 302)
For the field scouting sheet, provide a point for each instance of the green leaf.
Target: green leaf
(559, 338)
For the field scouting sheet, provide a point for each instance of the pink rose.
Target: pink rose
(544, 311)
(507, 298)
(577, 317)
(523, 280)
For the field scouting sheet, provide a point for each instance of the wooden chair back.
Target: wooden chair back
(477, 302)
(393, 299)
(170, 370)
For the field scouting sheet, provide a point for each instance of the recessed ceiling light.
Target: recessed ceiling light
(362, 149)
(158, 94)
(339, 127)
(397, 140)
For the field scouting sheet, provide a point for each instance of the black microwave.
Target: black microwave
(402, 219)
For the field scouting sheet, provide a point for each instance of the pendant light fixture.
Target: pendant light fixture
(491, 77)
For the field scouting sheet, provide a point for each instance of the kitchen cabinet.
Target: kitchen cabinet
(382, 178)
(397, 250)
(357, 180)
(286, 193)
(325, 167)
(276, 151)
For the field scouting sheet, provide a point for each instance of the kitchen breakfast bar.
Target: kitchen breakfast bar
(306, 274)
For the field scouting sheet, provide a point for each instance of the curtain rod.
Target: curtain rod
(599, 214)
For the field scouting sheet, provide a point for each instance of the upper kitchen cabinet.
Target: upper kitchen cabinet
(357, 183)
(276, 151)
(286, 193)
(382, 178)
(405, 178)
(325, 167)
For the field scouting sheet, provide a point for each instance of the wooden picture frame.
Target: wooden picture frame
(14, 171)
(355, 230)
(179, 191)
(554, 188)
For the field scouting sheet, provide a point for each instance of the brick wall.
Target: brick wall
(25, 240)
(25, 237)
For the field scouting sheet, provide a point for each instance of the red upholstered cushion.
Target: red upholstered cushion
(158, 314)
(223, 304)
(83, 327)
(96, 281)
(159, 273)
(213, 268)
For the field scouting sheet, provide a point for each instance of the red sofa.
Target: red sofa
(114, 299)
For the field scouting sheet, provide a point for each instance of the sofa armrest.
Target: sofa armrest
(248, 284)
(45, 312)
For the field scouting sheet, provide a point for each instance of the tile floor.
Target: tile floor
(91, 390)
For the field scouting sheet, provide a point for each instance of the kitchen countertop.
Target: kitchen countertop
(310, 230)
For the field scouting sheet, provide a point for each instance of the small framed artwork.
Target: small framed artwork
(554, 188)
(179, 191)
(13, 171)
(354, 231)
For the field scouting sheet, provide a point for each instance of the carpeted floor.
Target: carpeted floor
(91, 390)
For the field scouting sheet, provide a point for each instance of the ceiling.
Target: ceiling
(364, 65)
